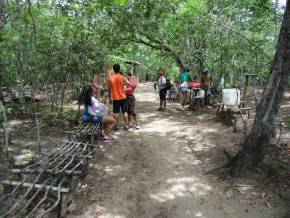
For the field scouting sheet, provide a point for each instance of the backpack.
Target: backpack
(168, 84)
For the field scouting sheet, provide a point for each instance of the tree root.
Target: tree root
(224, 165)
(228, 155)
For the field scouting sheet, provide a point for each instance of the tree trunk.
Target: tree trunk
(255, 143)
(2, 15)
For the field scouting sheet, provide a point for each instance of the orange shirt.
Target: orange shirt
(117, 82)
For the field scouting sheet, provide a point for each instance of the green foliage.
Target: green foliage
(55, 42)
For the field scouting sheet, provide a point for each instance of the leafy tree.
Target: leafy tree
(255, 143)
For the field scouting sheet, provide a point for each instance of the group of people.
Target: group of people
(164, 85)
(119, 88)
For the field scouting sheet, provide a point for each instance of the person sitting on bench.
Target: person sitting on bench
(96, 112)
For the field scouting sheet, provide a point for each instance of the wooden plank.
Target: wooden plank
(30, 185)
(246, 108)
(54, 172)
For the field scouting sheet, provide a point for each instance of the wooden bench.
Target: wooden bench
(235, 114)
(195, 99)
(87, 129)
(248, 110)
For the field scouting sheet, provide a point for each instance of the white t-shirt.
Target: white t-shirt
(92, 109)
(97, 108)
(161, 82)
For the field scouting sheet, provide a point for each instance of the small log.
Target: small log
(53, 172)
(224, 165)
(37, 186)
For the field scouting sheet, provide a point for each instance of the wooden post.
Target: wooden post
(38, 133)
(255, 91)
(245, 127)
(2, 16)
(5, 127)
(221, 54)
(245, 89)
(92, 139)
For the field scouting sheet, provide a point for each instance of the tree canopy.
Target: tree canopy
(56, 41)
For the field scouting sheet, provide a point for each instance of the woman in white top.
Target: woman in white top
(98, 112)
(162, 90)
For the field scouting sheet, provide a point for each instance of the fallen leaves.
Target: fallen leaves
(243, 190)
(83, 190)
(264, 198)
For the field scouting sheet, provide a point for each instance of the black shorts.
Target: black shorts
(162, 94)
(120, 104)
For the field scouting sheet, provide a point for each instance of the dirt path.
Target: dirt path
(157, 171)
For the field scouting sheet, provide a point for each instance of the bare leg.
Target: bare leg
(162, 104)
(184, 98)
(110, 124)
(125, 115)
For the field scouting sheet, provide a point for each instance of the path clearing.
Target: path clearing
(157, 171)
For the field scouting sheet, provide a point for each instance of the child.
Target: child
(97, 112)
(131, 101)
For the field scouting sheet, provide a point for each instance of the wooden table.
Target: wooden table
(237, 111)
(194, 98)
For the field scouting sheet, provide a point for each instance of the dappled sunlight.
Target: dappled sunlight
(285, 106)
(161, 126)
(200, 215)
(97, 211)
(149, 97)
(17, 122)
(202, 117)
(181, 187)
(109, 215)
(113, 170)
(147, 116)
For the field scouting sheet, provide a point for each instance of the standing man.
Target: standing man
(206, 84)
(116, 84)
(162, 90)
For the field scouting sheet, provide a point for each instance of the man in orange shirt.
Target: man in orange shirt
(117, 92)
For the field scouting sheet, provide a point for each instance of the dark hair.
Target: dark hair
(116, 68)
(168, 83)
(85, 96)
(129, 74)
(185, 69)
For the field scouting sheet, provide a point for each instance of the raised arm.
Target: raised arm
(109, 92)
(133, 85)
(95, 83)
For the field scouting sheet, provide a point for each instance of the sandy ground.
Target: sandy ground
(158, 171)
